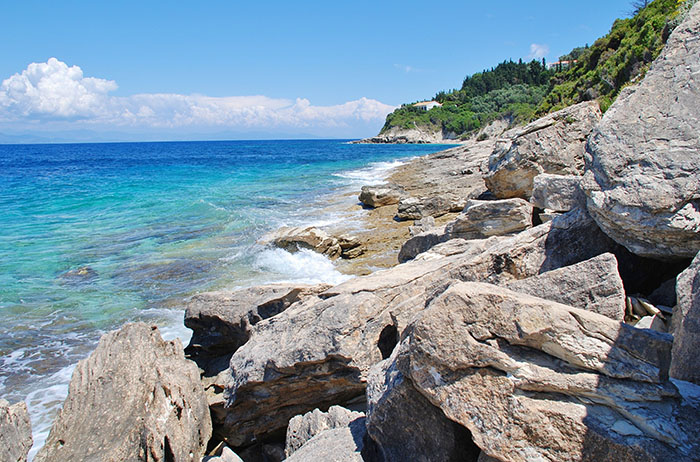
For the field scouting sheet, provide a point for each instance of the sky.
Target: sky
(157, 70)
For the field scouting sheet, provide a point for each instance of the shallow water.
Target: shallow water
(95, 235)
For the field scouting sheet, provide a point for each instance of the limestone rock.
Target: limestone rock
(422, 225)
(136, 398)
(381, 195)
(404, 425)
(558, 193)
(227, 455)
(15, 432)
(221, 321)
(343, 444)
(295, 238)
(304, 427)
(594, 285)
(491, 218)
(537, 380)
(415, 208)
(422, 242)
(643, 168)
(652, 322)
(552, 144)
(685, 364)
(350, 246)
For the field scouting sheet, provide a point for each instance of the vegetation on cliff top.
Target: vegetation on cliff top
(522, 91)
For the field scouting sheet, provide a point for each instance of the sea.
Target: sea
(96, 235)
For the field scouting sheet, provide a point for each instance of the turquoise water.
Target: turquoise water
(95, 235)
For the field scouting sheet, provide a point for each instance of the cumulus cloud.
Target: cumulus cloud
(55, 91)
(538, 51)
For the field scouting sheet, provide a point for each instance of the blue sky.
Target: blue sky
(171, 70)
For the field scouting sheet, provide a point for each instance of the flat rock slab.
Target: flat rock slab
(537, 380)
(15, 432)
(136, 398)
(642, 165)
(593, 285)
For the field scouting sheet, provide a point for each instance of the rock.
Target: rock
(293, 239)
(227, 455)
(548, 215)
(221, 321)
(491, 218)
(665, 294)
(642, 165)
(414, 135)
(136, 398)
(552, 144)
(558, 193)
(652, 322)
(422, 225)
(685, 364)
(537, 380)
(342, 444)
(379, 196)
(404, 425)
(302, 428)
(421, 243)
(15, 432)
(350, 246)
(594, 285)
(415, 208)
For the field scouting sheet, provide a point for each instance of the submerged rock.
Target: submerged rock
(537, 380)
(15, 432)
(136, 398)
(642, 162)
(552, 144)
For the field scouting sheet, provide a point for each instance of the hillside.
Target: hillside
(522, 91)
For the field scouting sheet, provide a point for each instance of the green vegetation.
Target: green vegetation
(522, 91)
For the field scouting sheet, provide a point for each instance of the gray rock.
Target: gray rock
(665, 294)
(221, 321)
(548, 215)
(415, 208)
(302, 428)
(685, 364)
(652, 322)
(593, 285)
(482, 219)
(537, 380)
(422, 225)
(295, 238)
(15, 432)
(379, 196)
(227, 455)
(558, 193)
(552, 144)
(422, 242)
(404, 425)
(342, 444)
(643, 168)
(136, 398)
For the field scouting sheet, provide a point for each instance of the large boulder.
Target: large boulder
(221, 321)
(558, 193)
(536, 380)
(593, 285)
(685, 363)
(482, 219)
(416, 208)
(552, 144)
(136, 398)
(303, 428)
(643, 159)
(403, 425)
(295, 238)
(15, 432)
(381, 195)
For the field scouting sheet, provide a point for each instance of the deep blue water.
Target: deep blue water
(94, 235)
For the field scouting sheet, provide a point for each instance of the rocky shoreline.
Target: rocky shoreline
(546, 308)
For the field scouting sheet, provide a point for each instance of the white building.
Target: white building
(427, 105)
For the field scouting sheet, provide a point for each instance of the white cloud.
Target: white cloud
(538, 51)
(53, 91)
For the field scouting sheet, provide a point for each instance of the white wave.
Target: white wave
(374, 173)
(170, 323)
(44, 403)
(305, 266)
